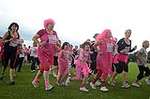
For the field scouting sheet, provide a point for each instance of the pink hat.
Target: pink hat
(48, 21)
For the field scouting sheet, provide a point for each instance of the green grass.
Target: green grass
(23, 89)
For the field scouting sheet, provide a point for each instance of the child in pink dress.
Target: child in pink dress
(46, 45)
(105, 43)
(82, 69)
(63, 61)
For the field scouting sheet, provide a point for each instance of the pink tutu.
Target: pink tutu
(123, 57)
(82, 69)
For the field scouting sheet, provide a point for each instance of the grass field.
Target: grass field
(23, 89)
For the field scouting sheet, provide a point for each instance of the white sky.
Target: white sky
(77, 20)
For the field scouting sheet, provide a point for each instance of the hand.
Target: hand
(135, 47)
(8, 40)
(43, 43)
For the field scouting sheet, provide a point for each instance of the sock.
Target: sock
(46, 78)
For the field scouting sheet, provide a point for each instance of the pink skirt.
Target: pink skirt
(82, 69)
(104, 62)
(122, 58)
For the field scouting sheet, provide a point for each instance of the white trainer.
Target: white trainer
(97, 83)
(147, 81)
(84, 89)
(67, 81)
(49, 88)
(92, 85)
(125, 85)
(104, 89)
(135, 84)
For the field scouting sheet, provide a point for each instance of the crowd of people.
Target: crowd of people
(103, 58)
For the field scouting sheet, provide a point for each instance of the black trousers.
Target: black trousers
(19, 63)
(10, 54)
(143, 71)
(35, 62)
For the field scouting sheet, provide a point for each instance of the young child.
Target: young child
(70, 61)
(54, 69)
(20, 58)
(82, 69)
(141, 56)
(34, 57)
(63, 57)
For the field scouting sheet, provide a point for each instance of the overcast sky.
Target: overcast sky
(77, 20)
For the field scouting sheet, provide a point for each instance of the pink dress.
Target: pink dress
(63, 61)
(46, 50)
(105, 55)
(82, 69)
(104, 58)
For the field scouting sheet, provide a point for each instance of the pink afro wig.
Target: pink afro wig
(104, 34)
(48, 21)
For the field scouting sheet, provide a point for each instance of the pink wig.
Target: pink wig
(104, 35)
(48, 21)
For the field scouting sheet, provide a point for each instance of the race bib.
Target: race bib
(109, 47)
(52, 39)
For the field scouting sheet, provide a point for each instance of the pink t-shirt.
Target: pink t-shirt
(44, 36)
(84, 55)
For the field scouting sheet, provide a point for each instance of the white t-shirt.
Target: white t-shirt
(33, 51)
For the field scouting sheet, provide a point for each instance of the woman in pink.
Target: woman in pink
(46, 40)
(123, 48)
(82, 69)
(63, 61)
(105, 43)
